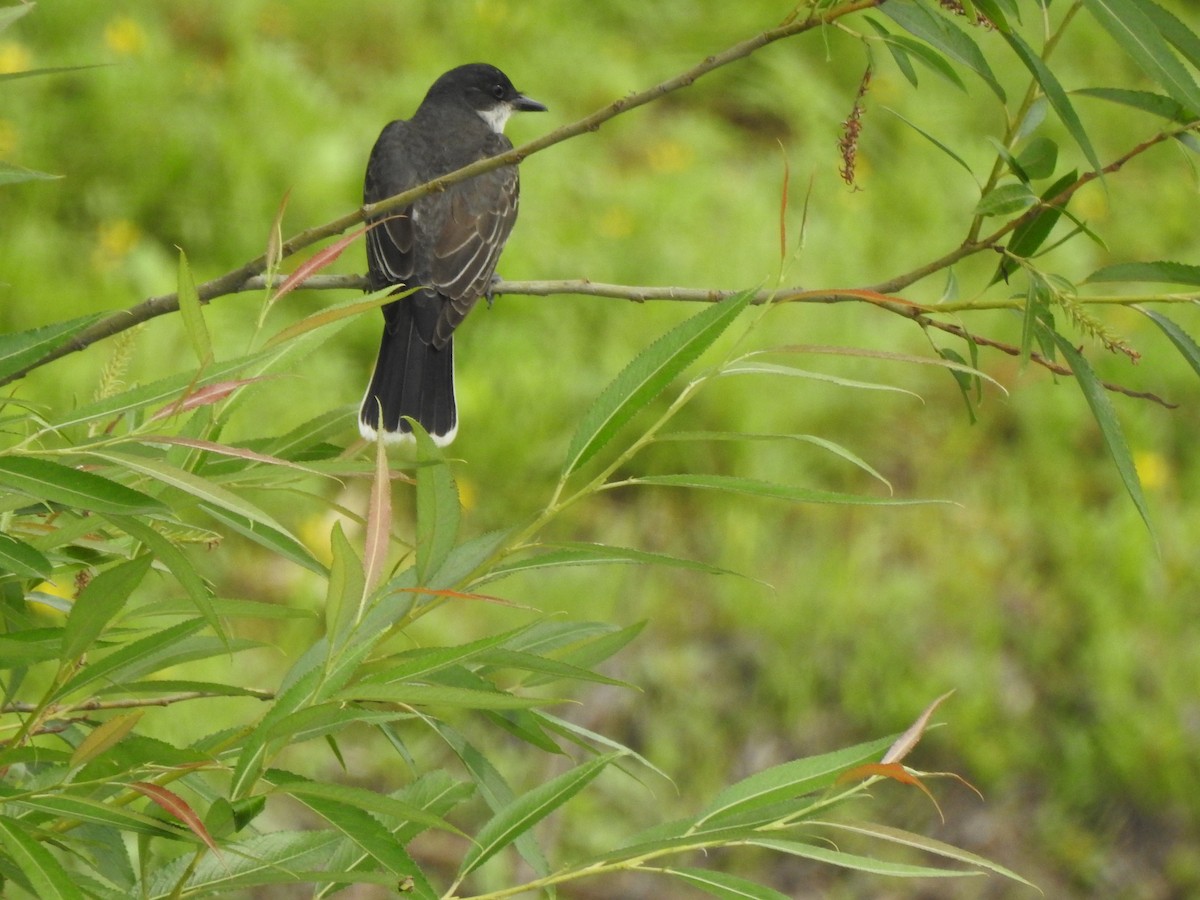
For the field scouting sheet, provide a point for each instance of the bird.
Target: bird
(443, 247)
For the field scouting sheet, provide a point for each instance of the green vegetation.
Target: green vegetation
(185, 507)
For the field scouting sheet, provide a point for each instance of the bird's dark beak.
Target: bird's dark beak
(521, 103)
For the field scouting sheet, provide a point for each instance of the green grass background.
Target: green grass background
(1072, 643)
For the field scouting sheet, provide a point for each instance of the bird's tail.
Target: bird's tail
(411, 378)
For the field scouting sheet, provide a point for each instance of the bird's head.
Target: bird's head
(486, 90)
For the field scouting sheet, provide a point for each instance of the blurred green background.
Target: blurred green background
(1071, 640)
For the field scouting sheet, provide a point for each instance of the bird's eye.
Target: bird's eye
(498, 92)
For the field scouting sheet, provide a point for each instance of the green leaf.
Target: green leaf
(1039, 158)
(11, 174)
(789, 781)
(1180, 338)
(1037, 309)
(1028, 237)
(438, 507)
(1155, 104)
(52, 482)
(344, 589)
(647, 375)
(1055, 95)
(275, 540)
(33, 645)
(751, 487)
(724, 885)
(928, 57)
(1110, 428)
(1175, 31)
(190, 312)
(19, 349)
(920, 842)
(177, 562)
(102, 599)
(929, 137)
(856, 862)
(441, 695)
(493, 788)
(361, 798)
(23, 560)
(46, 875)
(1138, 35)
(133, 660)
(766, 368)
(10, 14)
(899, 54)
(942, 34)
(1157, 272)
(1006, 200)
(582, 554)
(522, 814)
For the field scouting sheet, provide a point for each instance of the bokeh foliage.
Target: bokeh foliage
(1069, 636)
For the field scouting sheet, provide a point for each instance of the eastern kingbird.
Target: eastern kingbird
(445, 245)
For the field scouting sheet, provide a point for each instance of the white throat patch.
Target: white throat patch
(497, 116)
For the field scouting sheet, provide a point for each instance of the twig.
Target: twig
(94, 704)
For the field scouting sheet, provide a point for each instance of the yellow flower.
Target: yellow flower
(670, 156)
(1152, 468)
(14, 57)
(115, 238)
(125, 36)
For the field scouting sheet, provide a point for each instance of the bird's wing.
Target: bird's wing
(479, 215)
(390, 256)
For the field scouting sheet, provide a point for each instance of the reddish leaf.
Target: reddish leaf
(379, 519)
(224, 450)
(178, 807)
(212, 393)
(894, 771)
(904, 744)
(317, 262)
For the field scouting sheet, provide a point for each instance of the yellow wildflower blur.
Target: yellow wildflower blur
(125, 36)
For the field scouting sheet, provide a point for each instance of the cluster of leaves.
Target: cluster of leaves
(110, 495)
(113, 497)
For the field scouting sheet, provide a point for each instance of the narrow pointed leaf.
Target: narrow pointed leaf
(724, 885)
(527, 810)
(732, 484)
(104, 736)
(438, 507)
(1138, 35)
(1110, 427)
(50, 881)
(102, 599)
(43, 480)
(13, 174)
(19, 349)
(920, 842)
(179, 808)
(1154, 272)
(1147, 101)
(191, 314)
(176, 561)
(942, 34)
(788, 781)
(929, 137)
(1055, 95)
(23, 560)
(647, 375)
(1183, 341)
(583, 554)
(379, 520)
(856, 862)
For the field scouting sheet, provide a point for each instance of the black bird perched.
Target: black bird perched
(446, 244)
